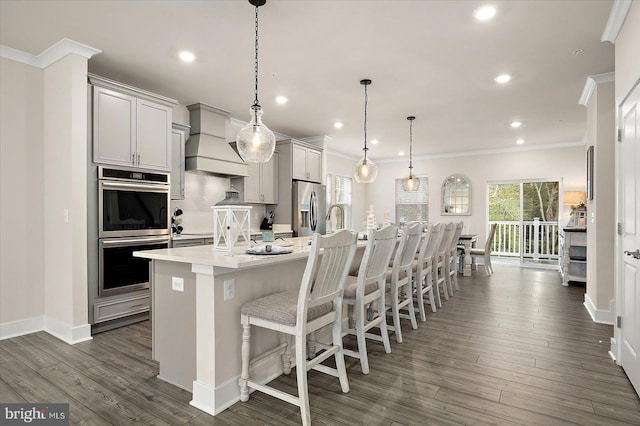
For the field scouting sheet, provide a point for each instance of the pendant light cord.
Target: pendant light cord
(410, 149)
(255, 102)
(366, 99)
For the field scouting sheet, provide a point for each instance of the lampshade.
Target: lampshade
(365, 170)
(255, 142)
(574, 197)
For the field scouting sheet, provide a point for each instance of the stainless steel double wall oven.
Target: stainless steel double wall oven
(133, 214)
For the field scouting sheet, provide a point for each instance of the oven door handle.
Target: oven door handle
(136, 186)
(134, 241)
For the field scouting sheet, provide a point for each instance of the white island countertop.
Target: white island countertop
(237, 259)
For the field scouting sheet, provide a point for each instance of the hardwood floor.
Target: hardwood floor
(515, 348)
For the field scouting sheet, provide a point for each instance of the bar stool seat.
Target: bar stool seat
(282, 308)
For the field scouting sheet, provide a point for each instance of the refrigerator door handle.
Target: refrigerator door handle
(313, 208)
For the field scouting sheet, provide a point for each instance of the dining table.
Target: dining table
(468, 241)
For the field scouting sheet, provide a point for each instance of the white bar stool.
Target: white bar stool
(297, 314)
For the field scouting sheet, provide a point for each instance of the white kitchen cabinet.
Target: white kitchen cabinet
(307, 163)
(179, 136)
(261, 186)
(131, 127)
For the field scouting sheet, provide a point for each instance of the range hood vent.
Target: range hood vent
(207, 150)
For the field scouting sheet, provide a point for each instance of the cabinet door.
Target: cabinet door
(252, 193)
(177, 164)
(270, 180)
(299, 158)
(114, 127)
(154, 130)
(314, 165)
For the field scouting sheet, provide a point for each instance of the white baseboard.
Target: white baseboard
(613, 349)
(56, 328)
(21, 327)
(599, 315)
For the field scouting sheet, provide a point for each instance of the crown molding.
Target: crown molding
(341, 155)
(618, 14)
(592, 82)
(49, 56)
(486, 152)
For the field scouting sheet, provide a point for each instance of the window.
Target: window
(339, 193)
(412, 206)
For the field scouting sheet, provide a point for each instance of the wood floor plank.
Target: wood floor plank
(100, 399)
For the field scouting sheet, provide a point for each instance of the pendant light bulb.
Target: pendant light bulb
(365, 170)
(255, 142)
(410, 183)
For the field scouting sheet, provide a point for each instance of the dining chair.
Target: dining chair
(399, 279)
(486, 251)
(452, 257)
(317, 304)
(440, 260)
(423, 274)
(367, 289)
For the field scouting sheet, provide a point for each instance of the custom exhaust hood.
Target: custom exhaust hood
(207, 150)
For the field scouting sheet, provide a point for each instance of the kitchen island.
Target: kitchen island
(196, 329)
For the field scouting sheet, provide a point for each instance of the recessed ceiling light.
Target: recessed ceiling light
(502, 78)
(186, 56)
(401, 153)
(520, 141)
(338, 125)
(374, 142)
(485, 13)
(516, 124)
(281, 100)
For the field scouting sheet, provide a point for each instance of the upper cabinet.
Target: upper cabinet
(306, 161)
(131, 127)
(179, 136)
(261, 186)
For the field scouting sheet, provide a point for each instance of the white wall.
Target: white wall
(601, 221)
(567, 164)
(627, 58)
(21, 192)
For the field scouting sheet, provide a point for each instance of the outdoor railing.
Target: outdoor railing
(540, 239)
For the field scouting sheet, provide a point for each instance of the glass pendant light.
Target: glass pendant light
(410, 183)
(255, 142)
(365, 170)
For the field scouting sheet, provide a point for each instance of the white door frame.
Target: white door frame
(615, 351)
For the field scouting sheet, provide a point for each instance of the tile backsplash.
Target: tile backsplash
(201, 192)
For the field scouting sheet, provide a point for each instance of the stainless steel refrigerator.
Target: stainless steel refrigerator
(309, 207)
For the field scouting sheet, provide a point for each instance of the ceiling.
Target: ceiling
(430, 59)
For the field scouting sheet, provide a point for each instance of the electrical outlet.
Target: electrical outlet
(177, 283)
(229, 289)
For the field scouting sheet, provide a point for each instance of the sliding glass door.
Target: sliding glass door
(526, 214)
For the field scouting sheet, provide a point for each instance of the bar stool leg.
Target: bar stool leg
(301, 375)
(246, 351)
(362, 345)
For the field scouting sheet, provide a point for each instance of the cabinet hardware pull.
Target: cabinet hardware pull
(133, 158)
